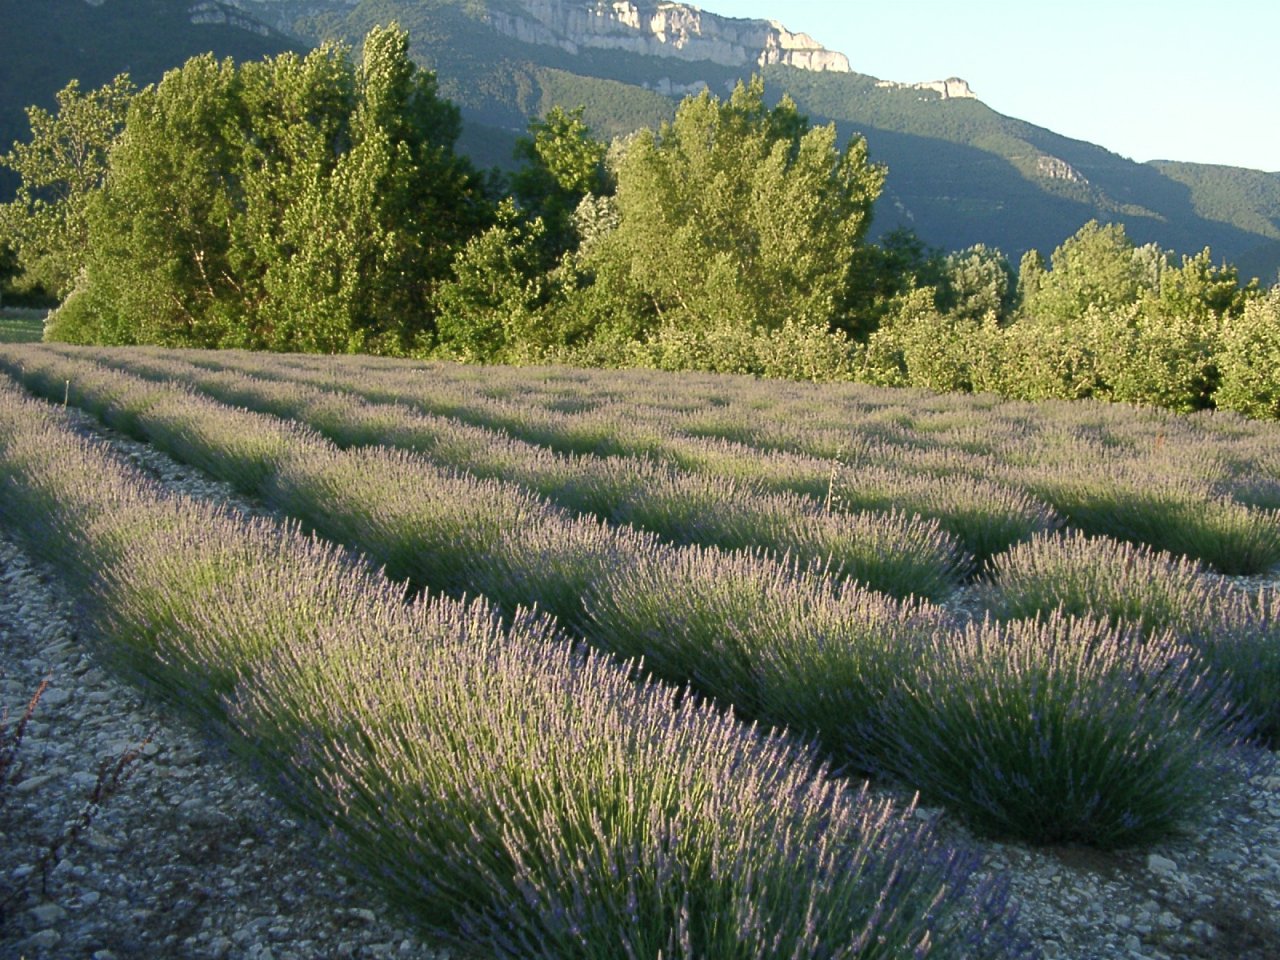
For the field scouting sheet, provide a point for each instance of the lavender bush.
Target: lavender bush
(782, 643)
(538, 803)
(515, 795)
(1123, 583)
(1060, 730)
(1236, 634)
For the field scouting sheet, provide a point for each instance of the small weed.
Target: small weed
(10, 743)
(111, 778)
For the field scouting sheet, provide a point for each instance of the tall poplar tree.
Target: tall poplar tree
(293, 203)
(60, 166)
(736, 214)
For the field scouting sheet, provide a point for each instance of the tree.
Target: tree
(1096, 267)
(1031, 271)
(64, 162)
(159, 230)
(881, 273)
(365, 241)
(489, 309)
(975, 283)
(562, 165)
(735, 215)
(1249, 359)
(918, 345)
(294, 203)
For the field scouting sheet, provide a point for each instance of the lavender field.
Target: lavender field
(594, 663)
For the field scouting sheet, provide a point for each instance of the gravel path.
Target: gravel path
(191, 859)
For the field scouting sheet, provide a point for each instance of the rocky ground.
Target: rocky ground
(189, 858)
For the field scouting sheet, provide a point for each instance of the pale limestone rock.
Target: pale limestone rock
(666, 30)
(953, 88)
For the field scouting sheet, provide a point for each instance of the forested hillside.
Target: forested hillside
(959, 173)
(45, 45)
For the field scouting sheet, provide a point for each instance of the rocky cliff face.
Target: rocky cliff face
(953, 88)
(664, 30)
(216, 12)
(211, 11)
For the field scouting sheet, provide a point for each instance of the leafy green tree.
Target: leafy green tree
(490, 309)
(1162, 351)
(158, 267)
(295, 203)
(1031, 271)
(1096, 267)
(1151, 355)
(9, 269)
(1248, 360)
(975, 283)
(918, 345)
(735, 215)
(561, 165)
(881, 273)
(363, 247)
(63, 163)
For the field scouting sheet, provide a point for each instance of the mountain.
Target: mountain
(959, 173)
(45, 45)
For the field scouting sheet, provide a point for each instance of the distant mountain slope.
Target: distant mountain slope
(959, 173)
(44, 45)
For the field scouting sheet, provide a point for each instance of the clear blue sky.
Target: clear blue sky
(1171, 80)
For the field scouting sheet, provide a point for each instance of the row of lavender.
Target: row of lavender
(1029, 728)
(515, 794)
(1205, 487)
(907, 534)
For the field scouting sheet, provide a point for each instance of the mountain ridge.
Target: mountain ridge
(959, 172)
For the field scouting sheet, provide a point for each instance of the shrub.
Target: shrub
(517, 796)
(1238, 635)
(511, 792)
(1250, 358)
(1122, 583)
(984, 516)
(1178, 516)
(782, 643)
(1058, 730)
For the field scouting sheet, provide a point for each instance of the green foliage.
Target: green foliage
(359, 252)
(1249, 361)
(919, 345)
(489, 309)
(561, 164)
(1094, 268)
(62, 164)
(794, 351)
(295, 203)
(1108, 321)
(976, 283)
(158, 268)
(880, 272)
(734, 216)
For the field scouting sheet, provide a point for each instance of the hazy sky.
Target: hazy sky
(1169, 80)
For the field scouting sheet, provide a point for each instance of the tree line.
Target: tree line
(316, 203)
